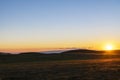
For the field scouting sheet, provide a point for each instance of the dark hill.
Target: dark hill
(91, 52)
(79, 54)
(116, 51)
(82, 51)
(31, 53)
(3, 53)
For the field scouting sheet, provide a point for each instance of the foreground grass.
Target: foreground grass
(97, 69)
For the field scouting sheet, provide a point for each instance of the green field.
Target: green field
(59, 67)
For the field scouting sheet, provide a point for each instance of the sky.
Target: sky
(37, 25)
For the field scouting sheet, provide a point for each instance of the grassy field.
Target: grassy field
(59, 67)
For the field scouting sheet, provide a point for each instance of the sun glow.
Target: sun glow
(109, 47)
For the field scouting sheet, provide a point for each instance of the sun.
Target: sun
(109, 47)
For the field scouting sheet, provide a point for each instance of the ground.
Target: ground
(91, 69)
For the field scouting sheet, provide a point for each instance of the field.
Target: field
(55, 68)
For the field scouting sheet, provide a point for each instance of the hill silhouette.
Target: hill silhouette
(3, 53)
(91, 52)
(83, 51)
(79, 54)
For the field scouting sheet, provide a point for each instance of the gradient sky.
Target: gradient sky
(34, 25)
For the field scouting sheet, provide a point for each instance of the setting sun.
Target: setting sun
(109, 47)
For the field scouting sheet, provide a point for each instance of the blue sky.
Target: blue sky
(60, 23)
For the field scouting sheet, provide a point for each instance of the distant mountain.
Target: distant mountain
(82, 51)
(31, 53)
(116, 51)
(87, 51)
(3, 53)
(69, 51)
(56, 51)
(77, 54)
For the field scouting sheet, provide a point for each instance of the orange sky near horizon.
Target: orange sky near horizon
(19, 47)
